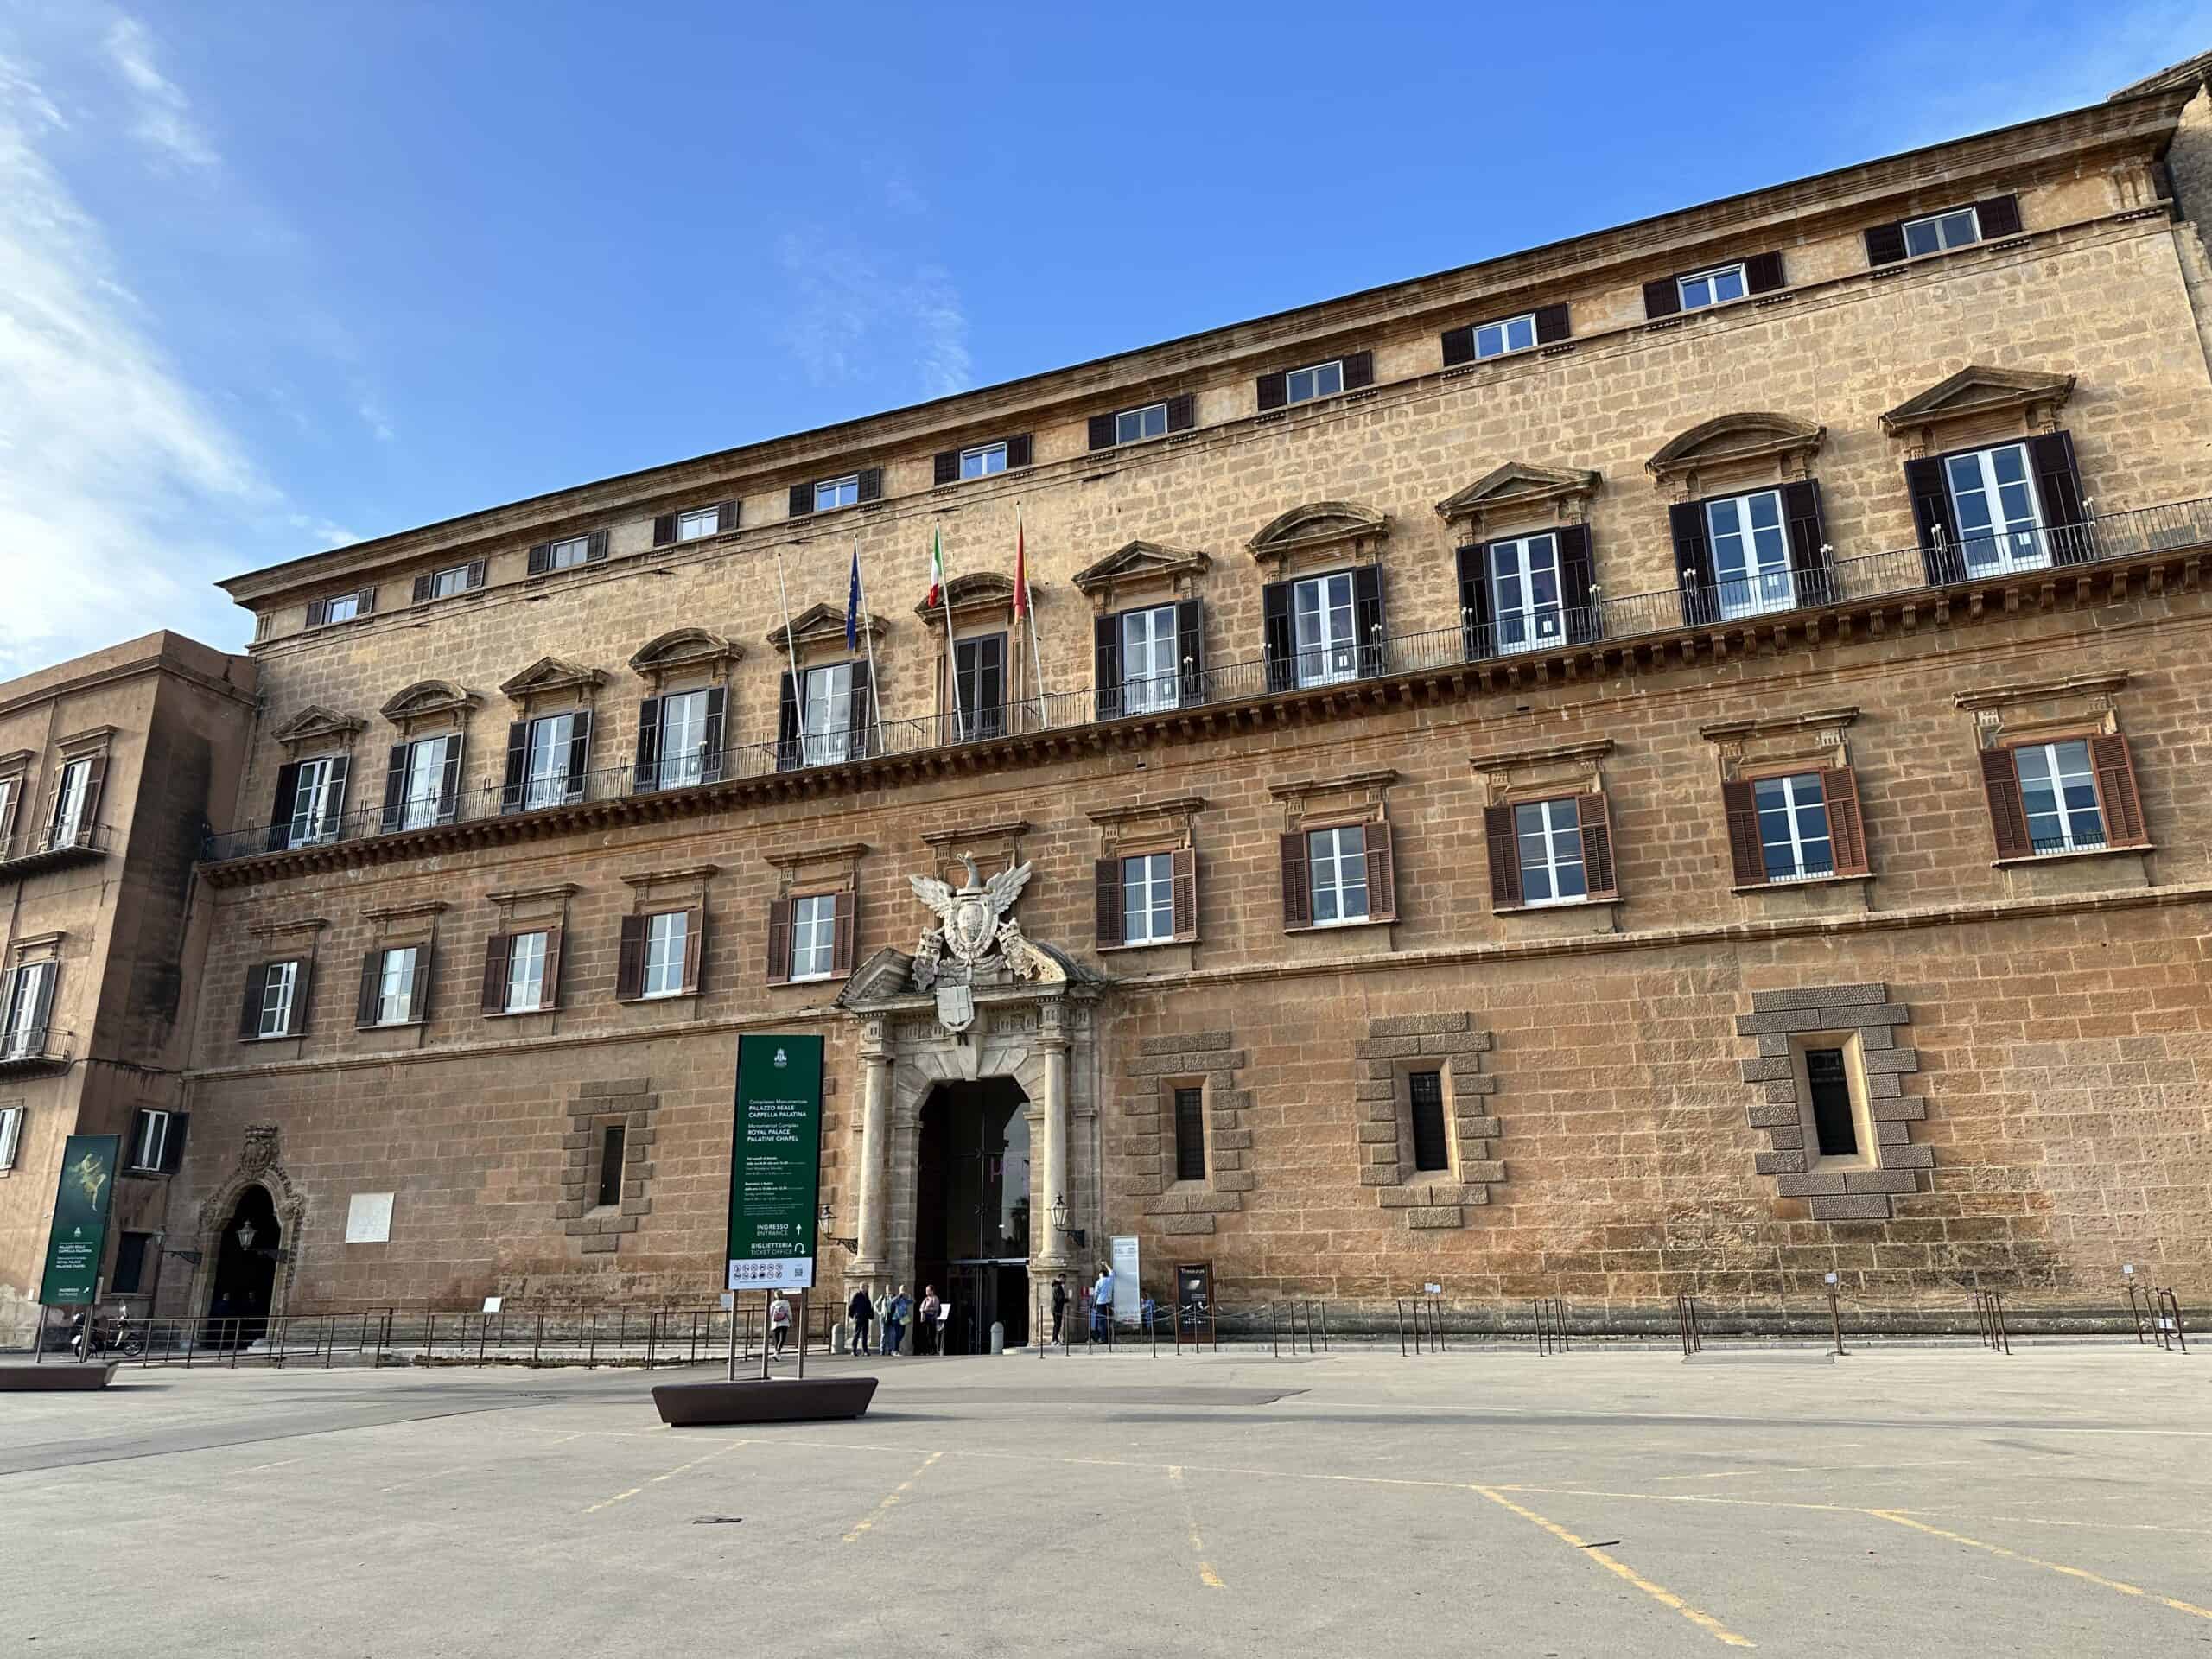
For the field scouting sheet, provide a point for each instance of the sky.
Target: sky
(275, 277)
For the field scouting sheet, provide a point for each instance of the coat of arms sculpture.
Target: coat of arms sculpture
(975, 935)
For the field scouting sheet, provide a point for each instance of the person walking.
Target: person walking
(1060, 1303)
(894, 1324)
(779, 1322)
(862, 1314)
(925, 1332)
(1102, 1304)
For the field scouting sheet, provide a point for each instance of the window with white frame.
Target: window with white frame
(1994, 498)
(1149, 676)
(150, 1143)
(2058, 792)
(1148, 899)
(342, 608)
(566, 554)
(1514, 334)
(72, 797)
(278, 988)
(446, 583)
(1321, 612)
(1337, 860)
(1134, 425)
(422, 785)
(1941, 231)
(838, 492)
(682, 739)
(395, 997)
(828, 715)
(698, 523)
(1547, 837)
(1322, 380)
(545, 767)
(525, 972)
(1525, 593)
(1794, 827)
(813, 935)
(1751, 553)
(9, 789)
(31, 996)
(315, 804)
(1715, 287)
(983, 461)
(666, 934)
(11, 1135)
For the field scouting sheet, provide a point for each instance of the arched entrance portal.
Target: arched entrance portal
(246, 1267)
(973, 1225)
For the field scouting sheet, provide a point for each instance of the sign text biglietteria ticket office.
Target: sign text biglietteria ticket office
(775, 1163)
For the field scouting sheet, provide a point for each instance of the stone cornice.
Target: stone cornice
(276, 929)
(1818, 719)
(1137, 812)
(2074, 685)
(523, 895)
(794, 858)
(407, 912)
(1380, 778)
(1003, 830)
(1553, 754)
(677, 872)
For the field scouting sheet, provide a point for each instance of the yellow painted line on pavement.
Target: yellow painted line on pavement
(1666, 1598)
(2188, 1607)
(1206, 1574)
(624, 1497)
(897, 1492)
(261, 1468)
(1819, 1469)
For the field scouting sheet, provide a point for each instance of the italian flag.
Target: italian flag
(936, 569)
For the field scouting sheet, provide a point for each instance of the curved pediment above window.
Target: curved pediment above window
(1140, 564)
(983, 590)
(1339, 529)
(316, 724)
(824, 625)
(428, 699)
(682, 650)
(1976, 393)
(1750, 440)
(1519, 492)
(550, 677)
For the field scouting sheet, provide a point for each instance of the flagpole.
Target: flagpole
(875, 687)
(1029, 610)
(951, 656)
(790, 651)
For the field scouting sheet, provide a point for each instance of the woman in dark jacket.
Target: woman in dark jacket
(862, 1313)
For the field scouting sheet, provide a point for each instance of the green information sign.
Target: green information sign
(79, 1241)
(775, 1163)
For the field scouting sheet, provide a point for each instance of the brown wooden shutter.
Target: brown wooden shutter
(871, 484)
(1807, 530)
(1593, 817)
(10, 800)
(549, 989)
(1106, 877)
(478, 570)
(2008, 817)
(1662, 298)
(647, 764)
(1101, 432)
(2058, 485)
(711, 734)
(541, 559)
(2123, 807)
(1551, 325)
(1741, 806)
(1297, 882)
(1762, 273)
(1504, 855)
(96, 782)
(1381, 872)
(1937, 524)
(1884, 244)
(418, 1002)
(450, 784)
(1275, 389)
(595, 547)
(1692, 564)
(1184, 869)
(630, 960)
(1459, 345)
(1278, 642)
(318, 610)
(695, 944)
(860, 714)
(498, 958)
(517, 756)
(779, 941)
(663, 529)
(844, 924)
(802, 500)
(1998, 216)
(422, 585)
(173, 1142)
(726, 517)
(257, 988)
(303, 989)
(1182, 412)
(1359, 369)
(395, 785)
(1191, 650)
(1018, 451)
(364, 1006)
(944, 467)
(579, 756)
(1846, 829)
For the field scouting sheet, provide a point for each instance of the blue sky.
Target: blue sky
(275, 276)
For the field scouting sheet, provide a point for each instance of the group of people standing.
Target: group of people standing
(891, 1312)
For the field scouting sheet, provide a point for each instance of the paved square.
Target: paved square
(1916, 1502)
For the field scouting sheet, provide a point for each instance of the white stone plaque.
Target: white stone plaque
(368, 1218)
(1128, 1293)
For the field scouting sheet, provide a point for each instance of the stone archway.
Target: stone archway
(258, 1166)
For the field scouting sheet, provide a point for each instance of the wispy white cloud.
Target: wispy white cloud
(323, 533)
(845, 303)
(163, 118)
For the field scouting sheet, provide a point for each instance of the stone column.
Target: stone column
(1052, 1255)
(873, 1262)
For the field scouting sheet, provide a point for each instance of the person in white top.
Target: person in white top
(779, 1322)
(1101, 1304)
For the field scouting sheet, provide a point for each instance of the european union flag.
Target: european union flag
(853, 604)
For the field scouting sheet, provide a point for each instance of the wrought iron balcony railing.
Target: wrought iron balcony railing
(1752, 601)
(35, 1048)
(52, 844)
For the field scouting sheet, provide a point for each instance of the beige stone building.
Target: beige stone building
(1676, 760)
(114, 769)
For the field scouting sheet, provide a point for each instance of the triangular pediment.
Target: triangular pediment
(1518, 484)
(1138, 560)
(1317, 524)
(1746, 434)
(818, 624)
(1978, 390)
(889, 974)
(681, 648)
(426, 698)
(551, 674)
(315, 723)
